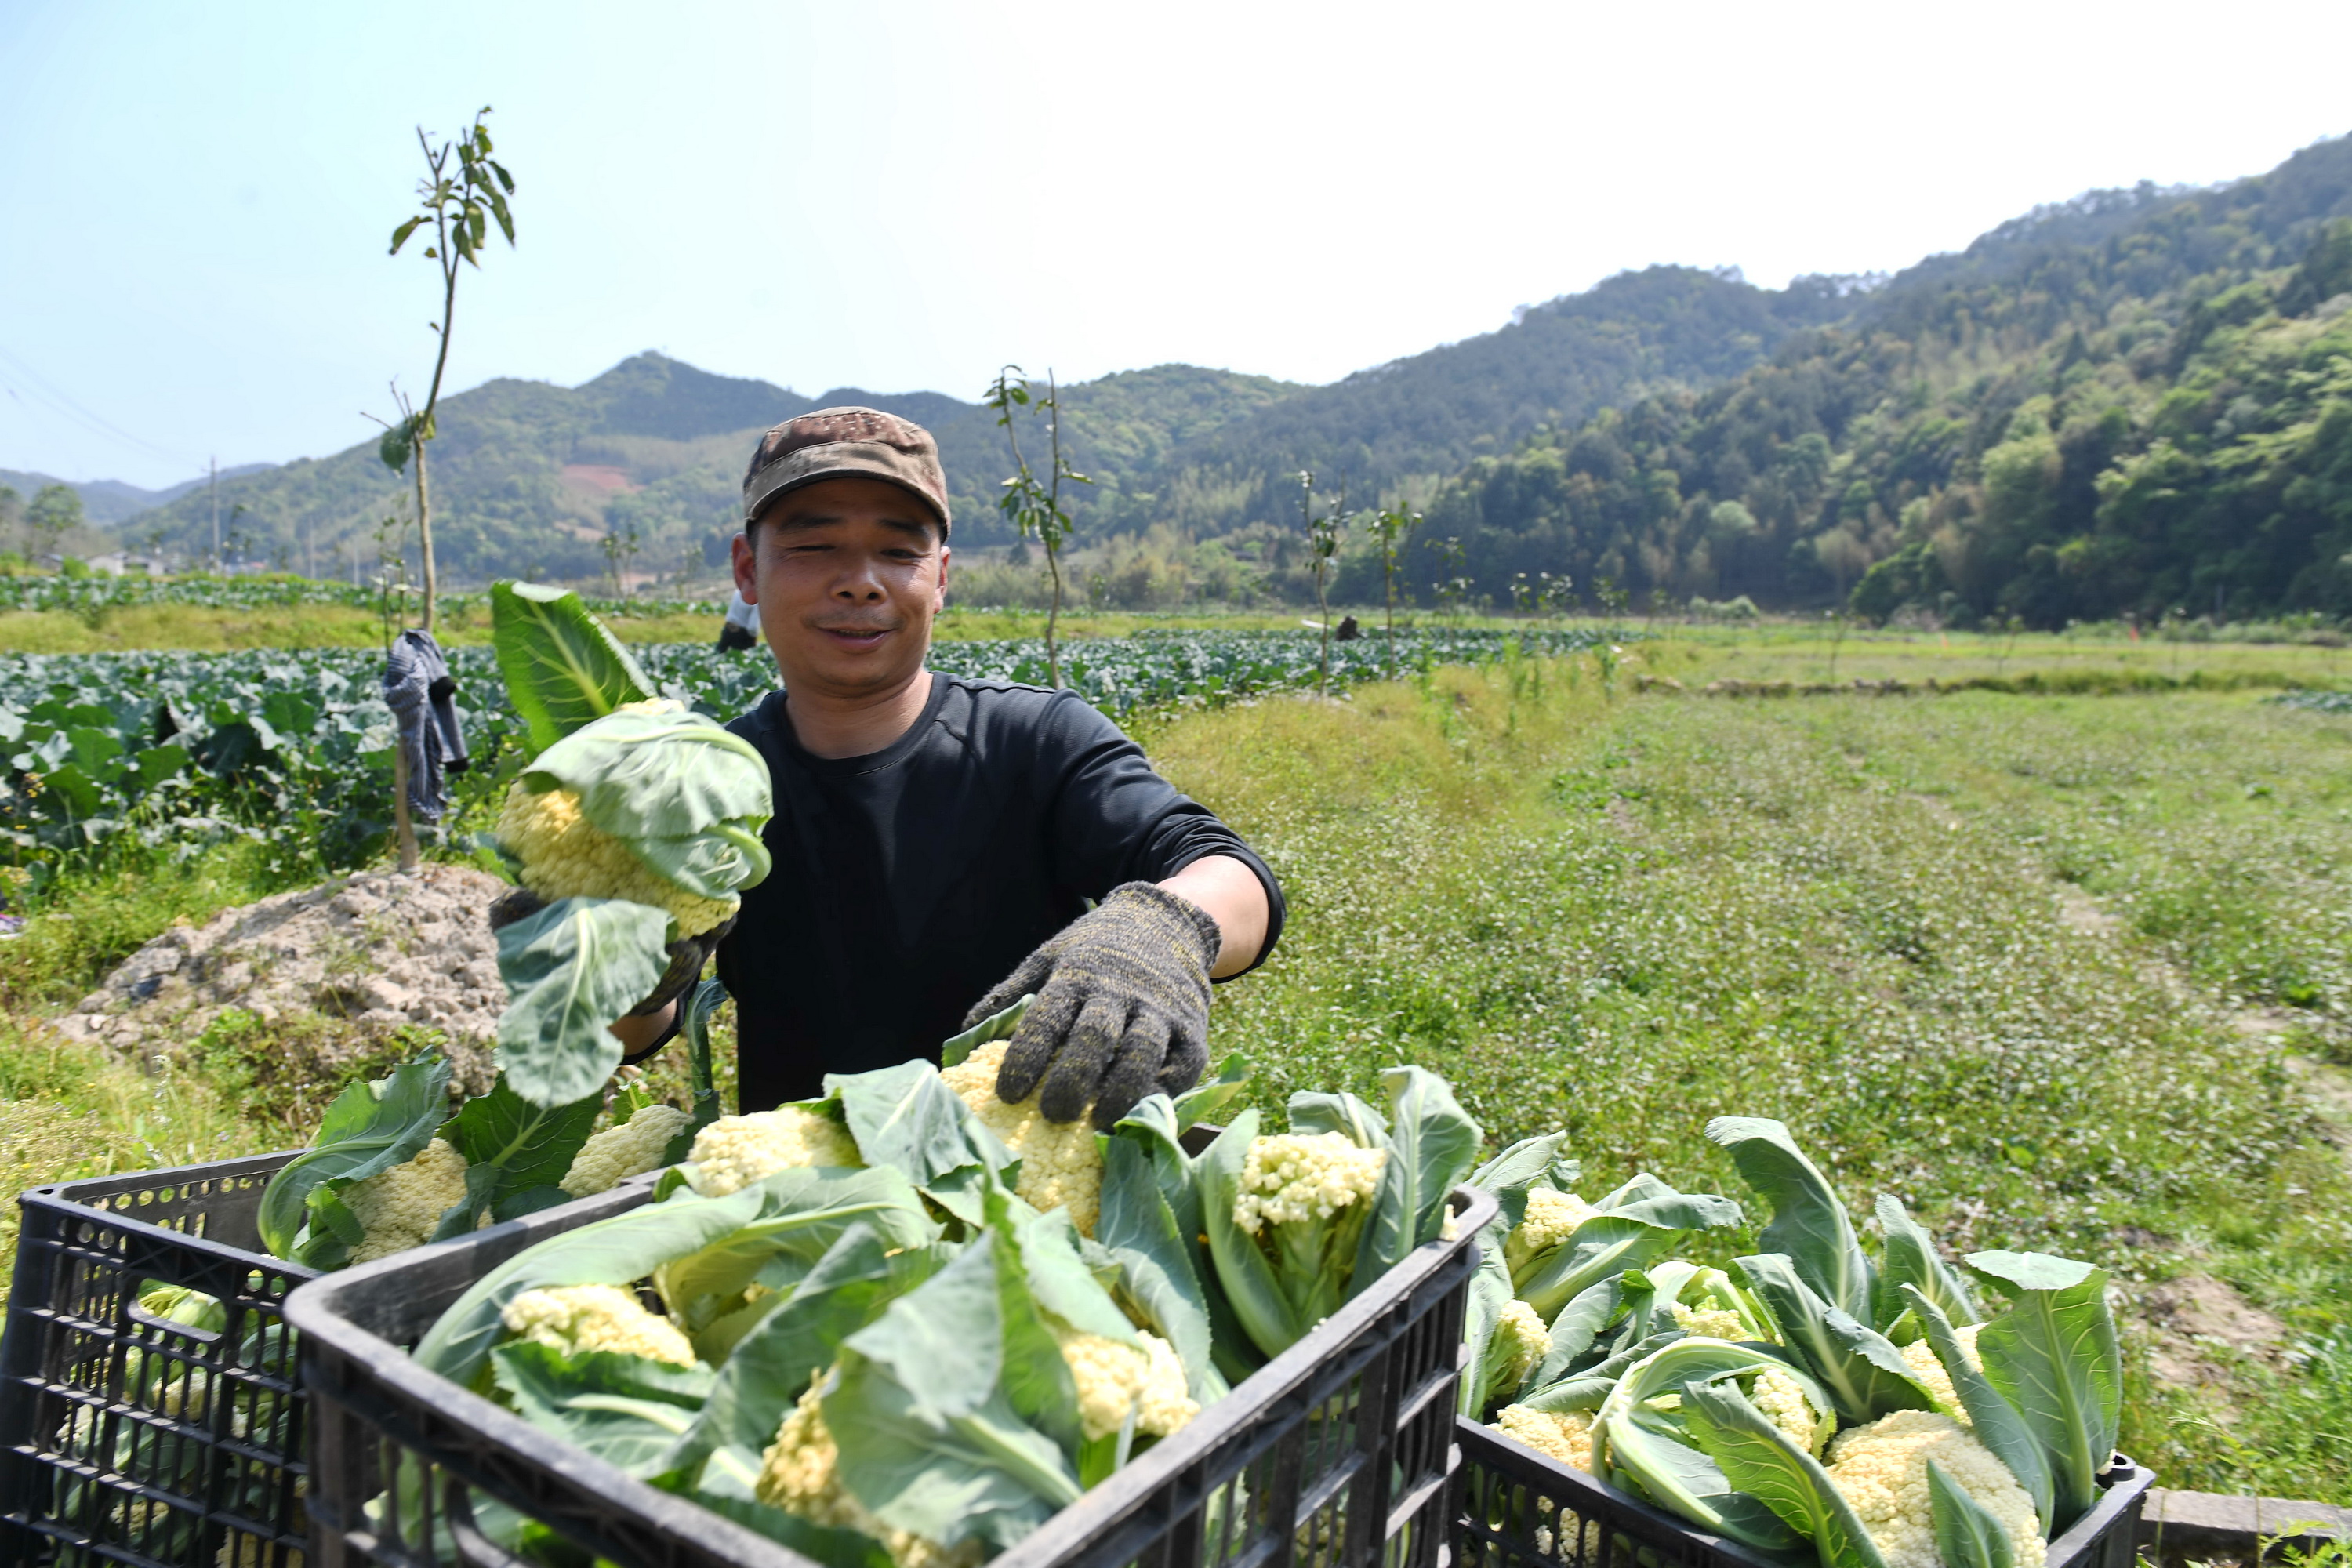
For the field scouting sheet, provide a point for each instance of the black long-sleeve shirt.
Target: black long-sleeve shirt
(908, 882)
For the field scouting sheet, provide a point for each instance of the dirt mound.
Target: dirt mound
(375, 952)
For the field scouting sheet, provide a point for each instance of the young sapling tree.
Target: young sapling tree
(463, 191)
(1033, 505)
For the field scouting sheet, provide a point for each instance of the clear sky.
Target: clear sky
(196, 197)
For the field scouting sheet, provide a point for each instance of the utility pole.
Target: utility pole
(216, 542)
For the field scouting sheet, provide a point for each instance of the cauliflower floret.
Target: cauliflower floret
(1551, 1218)
(566, 856)
(801, 1473)
(632, 1149)
(1061, 1167)
(575, 1318)
(734, 1152)
(1920, 1356)
(1292, 1177)
(1782, 1400)
(1881, 1469)
(400, 1207)
(1565, 1434)
(1113, 1377)
(1523, 1331)
(1709, 1322)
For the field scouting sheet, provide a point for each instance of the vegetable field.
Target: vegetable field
(2064, 973)
(182, 749)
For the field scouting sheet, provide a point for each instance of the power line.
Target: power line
(95, 424)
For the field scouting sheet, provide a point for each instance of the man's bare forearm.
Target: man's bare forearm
(636, 1033)
(1229, 892)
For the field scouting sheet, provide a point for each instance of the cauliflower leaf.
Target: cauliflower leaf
(368, 1130)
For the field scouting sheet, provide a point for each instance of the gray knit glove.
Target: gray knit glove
(687, 955)
(1122, 1007)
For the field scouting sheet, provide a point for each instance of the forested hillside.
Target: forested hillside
(2132, 402)
(2138, 404)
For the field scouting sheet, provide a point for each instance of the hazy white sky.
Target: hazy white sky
(196, 197)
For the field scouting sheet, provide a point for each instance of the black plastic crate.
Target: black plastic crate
(126, 1439)
(1521, 1509)
(1340, 1451)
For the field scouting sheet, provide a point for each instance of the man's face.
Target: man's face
(847, 575)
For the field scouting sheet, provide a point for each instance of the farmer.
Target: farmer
(942, 846)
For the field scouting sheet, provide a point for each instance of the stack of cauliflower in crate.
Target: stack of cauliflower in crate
(909, 1314)
(1811, 1396)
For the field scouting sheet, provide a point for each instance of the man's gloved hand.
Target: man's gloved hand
(1122, 1007)
(687, 955)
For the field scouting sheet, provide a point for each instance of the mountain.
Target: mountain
(1677, 432)
(106, 502)
(2137, 403)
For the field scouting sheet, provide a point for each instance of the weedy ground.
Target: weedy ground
(2066, 973)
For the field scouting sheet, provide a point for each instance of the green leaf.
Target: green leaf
(1433, 1147)
(1808, 1223)
(369, 1129)
(927, 1437)
(1966, 1534)
(1996, 1422)
(627, 1247)
(1158, 1278)
(688, 798)
(995, 1027)
(562, 668)
(400, 235)
(768, 1368)
(2054, 1356)
(1248, 1280)
(1601, 1248)
(517, 1146)
(627, 1410)
(905, 1117)
(1577, 1329)
(1627, 1437)
(1212, 1094)
(570, 970)
(1757, 1458)
(1911, 1258)
(804, 1211)
(1867, 1376)
(1311, 1112)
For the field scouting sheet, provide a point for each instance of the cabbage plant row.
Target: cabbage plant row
(183, 748)
(265, 591)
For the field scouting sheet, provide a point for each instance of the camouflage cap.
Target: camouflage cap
(846, 444)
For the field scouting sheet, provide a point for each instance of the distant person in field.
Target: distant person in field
(740, 630)
(944, 846)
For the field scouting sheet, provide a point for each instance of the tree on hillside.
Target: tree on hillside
(460, 201)
(56, 511)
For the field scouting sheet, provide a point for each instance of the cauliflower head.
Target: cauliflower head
(1881, 1469)
(1289, 1177)
(1551, 1218)
(1920, 1357)
(632, 1149)
(400, 1207)
(734, 1152)
(1521, 1330)
(1113, 1378)
(1782, 1400)
(565, 855)
(1565, 1434)
(1061, 1166)
(801, 1473)
(1709, 1322)
(575, 1318)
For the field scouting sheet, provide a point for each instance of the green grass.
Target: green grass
(1623, 917)
(1622, 913)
